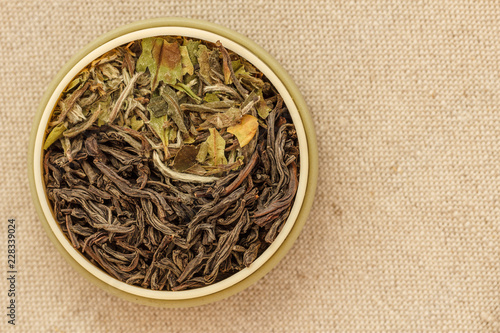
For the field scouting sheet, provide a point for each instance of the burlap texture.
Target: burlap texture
(404, 233)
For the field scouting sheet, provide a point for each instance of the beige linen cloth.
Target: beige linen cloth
(404, 233)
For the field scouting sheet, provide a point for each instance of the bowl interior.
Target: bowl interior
(193, 33)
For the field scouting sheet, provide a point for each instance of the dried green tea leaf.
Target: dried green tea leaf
(161, 128)
(203, 60)
(192, 48)
(157, 55)
(213, 170)
(210, 107)
(110, 71)
(185, 158)
(136, 124)
(174, 109)
(223, 89)
(188, 140)
(211, 97)
(157, 106)
(254, 82)
(105, 105)
(184, 177)
(262, 107)
(73, 84)
(170, 66)
(146, 60)
(173, 135)
(163, 59)
(196, 169)
(54, 135)
(159, 125)
(245, 130)
(66, 144)
(81, 79)
(229, 69)
(236, 64)
(81, 127)
(215, 66)
(187, 65)
(75, 115)
(68, 103)
(223, 119)
(185, 88)
(249, 67)
(124, 94)
(202, 152)
(216, 145)
(227, 73)
(249, 102)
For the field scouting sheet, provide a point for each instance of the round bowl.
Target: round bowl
(307, 147)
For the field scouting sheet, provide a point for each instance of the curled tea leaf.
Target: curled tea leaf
(210, 107)
(122, 97)
(251, 253)
(184, 177)
(110, 71)
(81, 79)
(75, 115)
(249, 102)
(75, 130)
(227, 64)
(68, 103)
(185, 88)
(174, 109)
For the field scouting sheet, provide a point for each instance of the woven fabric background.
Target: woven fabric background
(405, 230)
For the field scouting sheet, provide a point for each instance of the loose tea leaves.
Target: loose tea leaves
(171, 163)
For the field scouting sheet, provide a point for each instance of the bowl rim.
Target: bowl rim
(304, 117)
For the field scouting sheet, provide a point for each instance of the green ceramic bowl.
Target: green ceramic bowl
(294, 102)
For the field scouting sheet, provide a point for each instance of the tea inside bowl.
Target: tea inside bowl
(171, 163)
